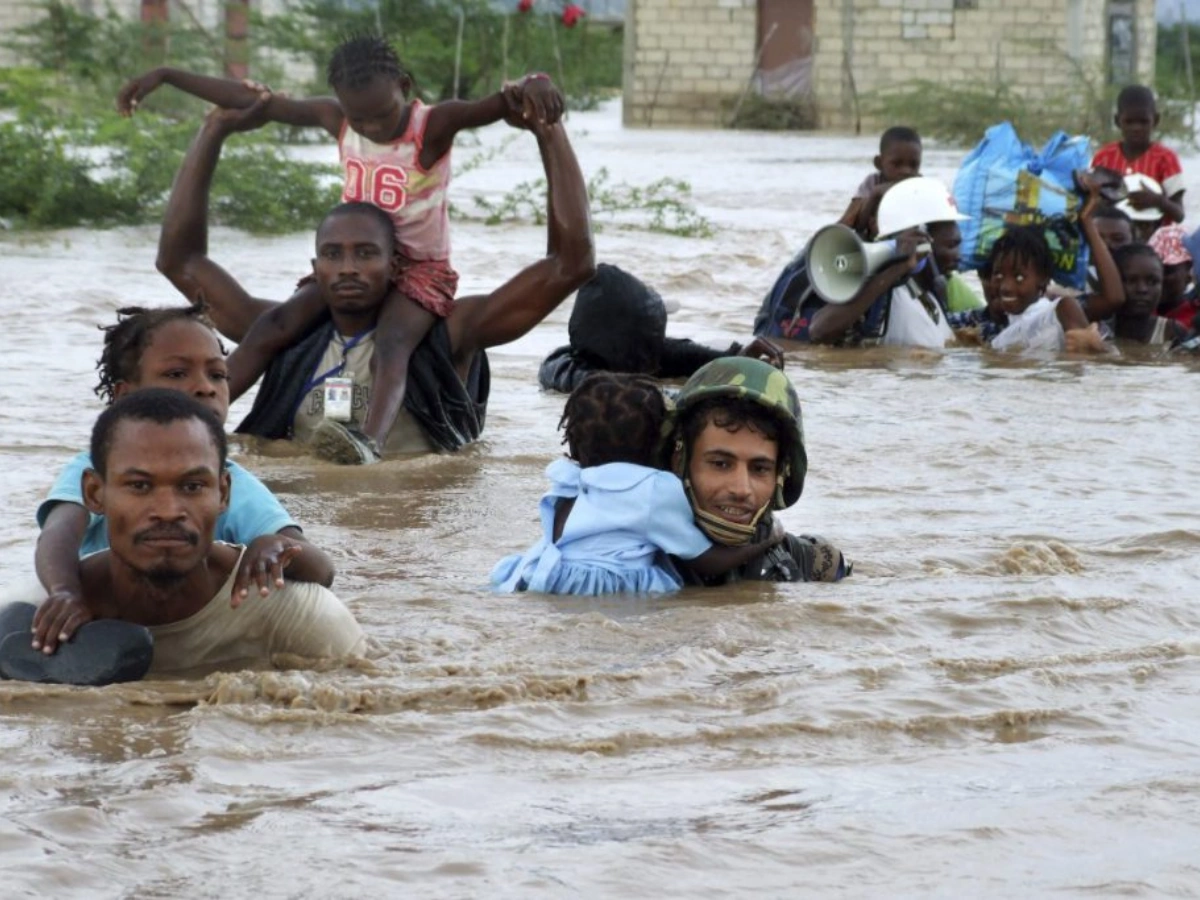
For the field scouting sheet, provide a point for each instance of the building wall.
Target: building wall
(687, 61)
(1048, 50)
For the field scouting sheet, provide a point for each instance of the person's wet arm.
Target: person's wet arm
(538, 99)
(450, 117)
(1080, 335)
(1172, 207)
(1111, 294)
(719, 559)
(681, 357)
(850, 216)
(526, 299)
(270, 556)
(183, 242)
(319, 112)
(56, 560)
(830, 323)
(311, 564)
(280, 327)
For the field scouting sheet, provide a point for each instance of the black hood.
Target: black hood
(618, 323)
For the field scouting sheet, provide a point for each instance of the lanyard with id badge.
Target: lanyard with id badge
(338, 385)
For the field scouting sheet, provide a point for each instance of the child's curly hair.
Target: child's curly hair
(359, 59)
(127, 340)
(1024, 245)
(613, 417)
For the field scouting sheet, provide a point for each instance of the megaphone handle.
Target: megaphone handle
(923, 249)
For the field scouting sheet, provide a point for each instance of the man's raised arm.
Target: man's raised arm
(183, 242)
(524, 300)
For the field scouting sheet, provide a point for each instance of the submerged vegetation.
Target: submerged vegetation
(69, 159)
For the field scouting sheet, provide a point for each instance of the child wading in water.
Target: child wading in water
(1020, 315)
(899, 158)
(1179, 301)
(1142, 280)
(396, 155)
(610, 517)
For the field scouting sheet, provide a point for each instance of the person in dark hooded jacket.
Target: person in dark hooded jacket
(619, 324)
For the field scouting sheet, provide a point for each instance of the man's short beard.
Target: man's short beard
(162, 579)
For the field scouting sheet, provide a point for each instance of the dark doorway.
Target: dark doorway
(785, 39)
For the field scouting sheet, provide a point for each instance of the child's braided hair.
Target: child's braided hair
(127, 340)
(1024, 245)
(614, 417)
(359, 59)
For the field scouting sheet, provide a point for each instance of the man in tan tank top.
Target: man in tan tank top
(159, 478)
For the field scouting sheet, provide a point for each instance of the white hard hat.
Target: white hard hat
(1136, 181)
(914, 202)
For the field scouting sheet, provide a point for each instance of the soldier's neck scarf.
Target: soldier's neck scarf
(722, 531)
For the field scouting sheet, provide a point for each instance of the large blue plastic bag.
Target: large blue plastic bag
(1005, 182)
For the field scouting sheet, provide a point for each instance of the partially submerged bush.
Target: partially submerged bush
(663, 206)
(43, 186)
(775, 113)
(961, 113)
(104, 170)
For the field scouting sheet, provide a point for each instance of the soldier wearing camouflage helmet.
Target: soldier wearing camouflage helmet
(736, 440)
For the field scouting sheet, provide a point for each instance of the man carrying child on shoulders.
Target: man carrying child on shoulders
(899, 304)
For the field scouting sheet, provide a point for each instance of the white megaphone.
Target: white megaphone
(840, 262)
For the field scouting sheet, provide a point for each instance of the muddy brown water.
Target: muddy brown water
(1003, 698)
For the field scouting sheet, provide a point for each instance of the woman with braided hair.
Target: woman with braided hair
(176, 348)
(610, 517)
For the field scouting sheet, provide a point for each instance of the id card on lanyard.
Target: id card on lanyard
(338, 385)
(339, 398)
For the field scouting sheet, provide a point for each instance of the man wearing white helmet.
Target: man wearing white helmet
(900, 304)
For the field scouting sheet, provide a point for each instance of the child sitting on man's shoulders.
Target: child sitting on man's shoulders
(1137, 117)
(899, 158)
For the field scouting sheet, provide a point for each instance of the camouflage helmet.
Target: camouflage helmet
(741, 377)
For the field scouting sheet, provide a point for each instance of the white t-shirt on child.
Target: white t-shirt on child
(1037, 328)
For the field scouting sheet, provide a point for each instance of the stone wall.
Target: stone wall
(1052, 51)
(687, 61)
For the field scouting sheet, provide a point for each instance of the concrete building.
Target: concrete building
(687, 62)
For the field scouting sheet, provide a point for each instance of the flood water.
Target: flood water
(1004, 698)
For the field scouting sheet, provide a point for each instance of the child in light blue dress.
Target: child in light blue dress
(610, 518)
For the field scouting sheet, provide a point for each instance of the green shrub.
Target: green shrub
(259, 190)
(664, 206)
(961, 113)
(69, 159)
(774, 114)
(43, 186)
(585, 60)
(47, 182)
